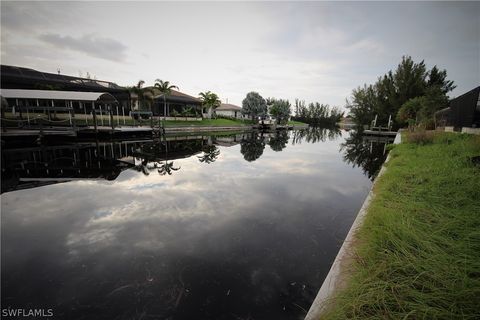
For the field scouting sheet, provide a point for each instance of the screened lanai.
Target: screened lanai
(176, 103)
(59, 106)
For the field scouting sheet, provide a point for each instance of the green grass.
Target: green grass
(418, 251)
(296, 123)
(220, 122)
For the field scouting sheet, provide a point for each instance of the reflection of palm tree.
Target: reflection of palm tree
(252, 147)
(150, 155)
(210, 154)
(142, 167)
(368, 156)
(167, 168)
(279, 141)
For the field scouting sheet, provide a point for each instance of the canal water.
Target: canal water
(225, 226)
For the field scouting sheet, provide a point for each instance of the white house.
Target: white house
(229, 110)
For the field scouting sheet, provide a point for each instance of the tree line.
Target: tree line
(255, 106)
(411, 95)
(317, 113)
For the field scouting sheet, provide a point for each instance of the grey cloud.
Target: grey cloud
(28, 17)
(92, 45)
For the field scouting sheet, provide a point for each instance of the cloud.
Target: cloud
(90, 44)
(317, 51)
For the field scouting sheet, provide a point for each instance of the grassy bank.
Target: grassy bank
(131, 122)
(418, 251)
(220, 122)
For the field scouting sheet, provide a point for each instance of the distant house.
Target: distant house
(463, 112)
(229, 110)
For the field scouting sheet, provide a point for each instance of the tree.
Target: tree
(409, 110)
(254, 105)
(391, 91)
(300, 109)
(280, 110)
(420, 110)
(211, 101)
(141, 94)
(166, 89)
(317, 113)
(438, 78)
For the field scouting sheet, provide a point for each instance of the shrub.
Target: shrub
(420, 136)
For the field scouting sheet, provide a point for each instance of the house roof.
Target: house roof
(177, 96)
(57, 95)
(228, 107)
(13, 73)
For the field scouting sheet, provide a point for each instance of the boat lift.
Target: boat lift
(376, 130)
(374, 126)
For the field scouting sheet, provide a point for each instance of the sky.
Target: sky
(314, 51)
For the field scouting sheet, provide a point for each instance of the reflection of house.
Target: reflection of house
(31, 167)
(229, 110)
(230, 140)
(23, 78)
(463, 113)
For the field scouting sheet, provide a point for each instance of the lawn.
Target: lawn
(296, 123)
(220, 122)
(418, 251)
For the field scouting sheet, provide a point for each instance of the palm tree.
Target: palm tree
(210, 100)
(166, 89)
(142, 94)
(137, 90)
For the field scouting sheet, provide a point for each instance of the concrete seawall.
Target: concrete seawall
(335, 279)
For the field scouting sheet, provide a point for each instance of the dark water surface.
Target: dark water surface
(240, 226)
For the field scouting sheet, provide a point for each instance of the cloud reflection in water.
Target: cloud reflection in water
(229, 238)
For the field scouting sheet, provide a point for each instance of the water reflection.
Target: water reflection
(365, 152)
(316, 134)
(34, 166)
(252, 146)
(222, 237)
(279, 140)
(210, 154)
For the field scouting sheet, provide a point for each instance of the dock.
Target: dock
(38, 132)
(379, 133)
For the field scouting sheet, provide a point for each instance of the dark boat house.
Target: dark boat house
(463, 113)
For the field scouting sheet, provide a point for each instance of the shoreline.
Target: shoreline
(412, 251)
(334, 279)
